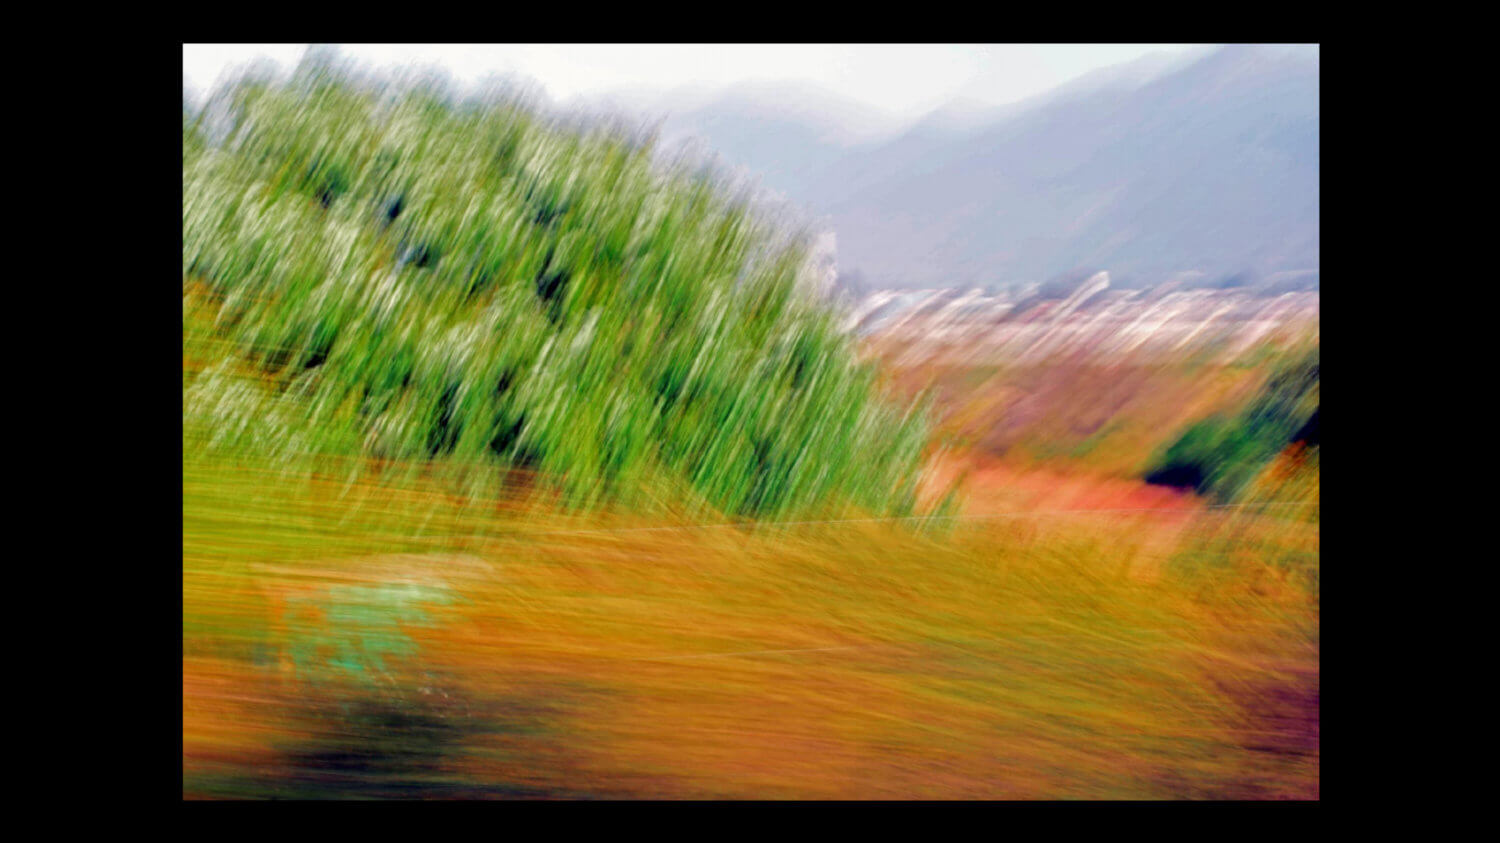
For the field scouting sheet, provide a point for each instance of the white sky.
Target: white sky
(901, 79)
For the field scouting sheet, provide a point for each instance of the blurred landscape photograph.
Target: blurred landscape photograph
(750, 422)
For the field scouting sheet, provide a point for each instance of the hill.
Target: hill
(1148, 170)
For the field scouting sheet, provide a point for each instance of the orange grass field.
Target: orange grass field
(1066, 639)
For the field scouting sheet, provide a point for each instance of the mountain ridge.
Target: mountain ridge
(1205, 163)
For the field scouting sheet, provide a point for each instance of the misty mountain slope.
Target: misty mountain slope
(1146, 170)
(1213, 168)
(785, 135)
(927, 145)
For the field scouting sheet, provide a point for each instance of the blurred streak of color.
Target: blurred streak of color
(518, 466)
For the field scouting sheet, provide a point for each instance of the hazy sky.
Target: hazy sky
(902, 79)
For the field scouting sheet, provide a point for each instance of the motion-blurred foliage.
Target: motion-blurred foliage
(393, 272)
(1220, 456)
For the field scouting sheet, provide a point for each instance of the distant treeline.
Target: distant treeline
(853, 283)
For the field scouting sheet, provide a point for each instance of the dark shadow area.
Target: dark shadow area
(1177, 477)
(1308, 435)
(551, 284)
(417, 744)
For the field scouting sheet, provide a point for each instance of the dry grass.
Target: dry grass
(1013, 658)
